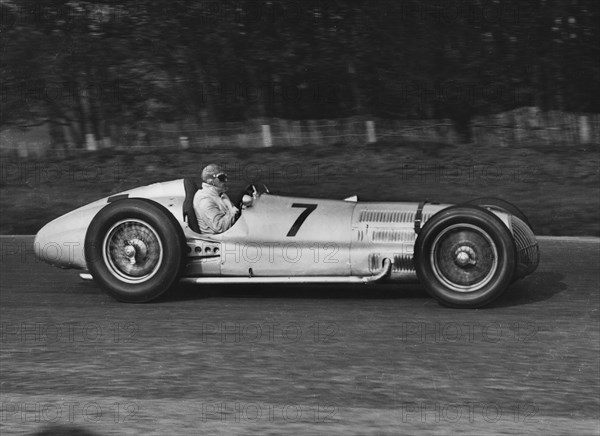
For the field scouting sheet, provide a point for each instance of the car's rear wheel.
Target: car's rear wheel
(526, 245)
(464, 256)
(134, 249)
(500, 205)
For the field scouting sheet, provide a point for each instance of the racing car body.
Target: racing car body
(139, 243)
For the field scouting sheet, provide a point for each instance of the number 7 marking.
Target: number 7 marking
(308, 208)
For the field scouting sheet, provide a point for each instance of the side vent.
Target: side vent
(360, 235)
(374, 262)
(385, 216)
(393, 236)
(403, 263)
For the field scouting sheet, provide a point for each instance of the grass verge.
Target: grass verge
(558, 186)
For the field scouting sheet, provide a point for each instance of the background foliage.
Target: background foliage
(94, 67)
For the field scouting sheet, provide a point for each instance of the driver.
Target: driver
(213, 207)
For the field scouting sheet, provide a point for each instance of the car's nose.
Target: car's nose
(41, 241)
(61, 242)
(48, 245)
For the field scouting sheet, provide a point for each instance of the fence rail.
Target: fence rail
(523, 125)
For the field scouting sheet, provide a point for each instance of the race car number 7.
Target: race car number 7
(308, 208)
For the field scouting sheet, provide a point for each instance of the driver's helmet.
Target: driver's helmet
(210, 171)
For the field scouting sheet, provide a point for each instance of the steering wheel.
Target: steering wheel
(253, 191)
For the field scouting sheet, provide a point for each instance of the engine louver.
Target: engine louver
(393, 236)
(385, 216)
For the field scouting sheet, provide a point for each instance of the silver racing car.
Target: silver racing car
(140, 243)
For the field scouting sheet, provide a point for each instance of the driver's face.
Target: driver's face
(219, 181)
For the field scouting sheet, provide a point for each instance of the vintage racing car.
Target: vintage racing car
(140, 243)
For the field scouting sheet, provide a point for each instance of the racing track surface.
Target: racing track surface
(301, 360)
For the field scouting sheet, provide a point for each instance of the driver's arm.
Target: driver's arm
(212, 216)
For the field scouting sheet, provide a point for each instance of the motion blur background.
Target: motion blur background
(390, 100)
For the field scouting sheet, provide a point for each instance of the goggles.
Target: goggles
(221, 176)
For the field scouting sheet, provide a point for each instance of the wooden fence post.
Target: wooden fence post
(584, 130)
(266, 135)
(90, 142)
(371, 132)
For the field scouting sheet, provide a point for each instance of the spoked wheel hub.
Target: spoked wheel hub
(132, 251)
(464, 257)
(135, 249)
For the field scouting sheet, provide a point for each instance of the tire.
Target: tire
(134, 249)
(501, 205)
(465, 257)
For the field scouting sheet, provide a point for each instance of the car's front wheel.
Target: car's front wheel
(465, 256)
(134, 249)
